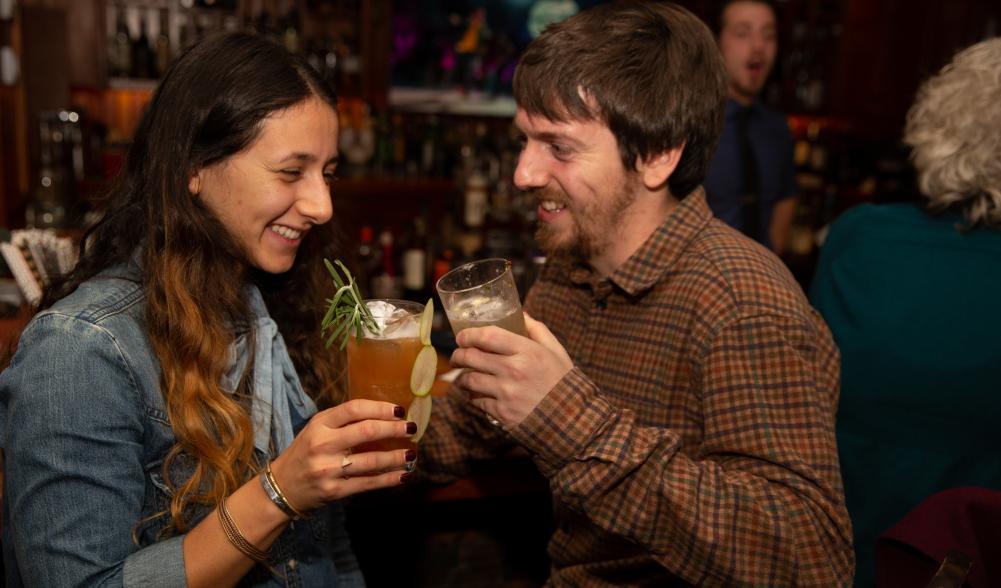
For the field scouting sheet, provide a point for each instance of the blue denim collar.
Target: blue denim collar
(276, 386)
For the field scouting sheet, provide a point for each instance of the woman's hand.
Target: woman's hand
(314, 469)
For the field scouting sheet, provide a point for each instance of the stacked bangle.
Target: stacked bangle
(237, 539)
(274, 492)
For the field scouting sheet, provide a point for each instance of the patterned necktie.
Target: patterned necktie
(750, 194)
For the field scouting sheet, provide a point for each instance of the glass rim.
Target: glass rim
(415, 309)
(507, 268)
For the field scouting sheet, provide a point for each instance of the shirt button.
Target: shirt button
(292, 563)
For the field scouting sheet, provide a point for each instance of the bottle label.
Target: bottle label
(414, 262)
(476, 206)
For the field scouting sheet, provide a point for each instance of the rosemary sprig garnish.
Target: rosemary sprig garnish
(346, 311)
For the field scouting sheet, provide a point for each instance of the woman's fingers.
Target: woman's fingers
(356, 410)
(358, 472)
(373, 462)
(373, 430)
(366, 483)
(319, 466)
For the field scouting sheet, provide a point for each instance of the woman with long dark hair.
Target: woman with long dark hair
(158, 417)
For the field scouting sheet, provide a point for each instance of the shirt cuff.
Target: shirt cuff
(160, 565)
(565, 423)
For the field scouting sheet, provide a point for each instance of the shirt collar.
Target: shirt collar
(733, 107)
(655, 258)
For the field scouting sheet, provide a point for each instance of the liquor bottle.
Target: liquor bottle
(290, 30)
(429, 148)
(349, 67)
(367, 264)
(398, 145)
(47, 206)
(123, 49)
(265, 24)
(387, 283)
(163, 53)
(357, 140)
(382, 158)
(469, 238)
(142, 54)
(442, 265)
(415, 263)
(475, 200)
(801, 233)
(185, 35)
(111, 49)
(330, 65)
(249, 24)
(501, 232)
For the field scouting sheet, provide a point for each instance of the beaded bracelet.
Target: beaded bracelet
(275, 494)
(237, 539)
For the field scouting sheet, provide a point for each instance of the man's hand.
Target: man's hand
(508, 375)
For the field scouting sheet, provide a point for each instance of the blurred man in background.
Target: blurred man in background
(751, 182)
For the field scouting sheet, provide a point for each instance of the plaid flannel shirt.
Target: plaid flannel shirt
(693, 441)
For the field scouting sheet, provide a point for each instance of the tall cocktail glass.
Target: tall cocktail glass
(379, 365)
(482, 293)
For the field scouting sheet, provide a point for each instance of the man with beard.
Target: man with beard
(677, 390)
(751, 182)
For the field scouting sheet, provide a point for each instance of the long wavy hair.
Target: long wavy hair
(209, 106)
(954, 131)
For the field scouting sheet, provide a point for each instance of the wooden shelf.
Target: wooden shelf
(451, 102)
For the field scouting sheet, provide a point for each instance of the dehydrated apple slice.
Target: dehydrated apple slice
(424, 371)
(420, 413)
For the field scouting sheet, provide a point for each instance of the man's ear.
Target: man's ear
(195, 183)
(658, 167)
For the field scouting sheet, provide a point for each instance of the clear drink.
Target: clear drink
(482, 293)
(379, 366)
(482, 311)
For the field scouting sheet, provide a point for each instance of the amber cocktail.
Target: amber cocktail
(380, 365)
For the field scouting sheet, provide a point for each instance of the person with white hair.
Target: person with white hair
(910, 291)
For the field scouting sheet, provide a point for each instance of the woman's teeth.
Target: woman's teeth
(550, 206)
(286, 232)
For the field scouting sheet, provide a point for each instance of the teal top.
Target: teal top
(914, 303)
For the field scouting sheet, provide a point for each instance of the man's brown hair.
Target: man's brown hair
(651, 71)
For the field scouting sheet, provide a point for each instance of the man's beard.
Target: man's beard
(593, 227)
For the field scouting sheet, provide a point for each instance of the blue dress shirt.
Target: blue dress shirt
(772, 145)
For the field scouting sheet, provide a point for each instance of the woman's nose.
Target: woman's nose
(315, 203)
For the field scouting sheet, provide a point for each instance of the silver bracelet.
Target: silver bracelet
(277, 498)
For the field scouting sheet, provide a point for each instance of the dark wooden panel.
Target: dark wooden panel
(888, 48)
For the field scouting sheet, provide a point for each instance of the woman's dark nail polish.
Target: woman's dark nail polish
(399, 412)
(410, 455)
(405, 476)
(411, 428)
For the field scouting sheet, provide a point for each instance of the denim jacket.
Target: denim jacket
(85, 431)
